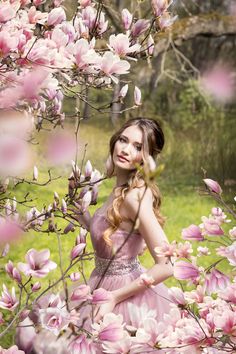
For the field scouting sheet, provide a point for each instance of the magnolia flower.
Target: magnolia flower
(56, 16)
(12, 350)
(86, 200)
(211, 227)
(139, 27)
(216, 280)
(100, 296)
(138, 314)
(127, 19)
(77, 250)
(88, 169)
(185, 270)
(38, 263)
(226, 322)
(63, 206)
(111, 64)
(54, 319)
(176, 295)
(110, 328)
(228, 252)
(229, 293)
(219, 83)
(166, 20)
(232, 233)
(8, 10)
(82, 345)
(120, 43)
(81, 293)
(137, 96)
(36, 286)
(124, 345)
(203, 251)
(8, 301)
(192, 233)
(166, 250)
(75, 276)
(123, 91)
(213, 185)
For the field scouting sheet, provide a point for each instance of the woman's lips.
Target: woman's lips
(121, 158)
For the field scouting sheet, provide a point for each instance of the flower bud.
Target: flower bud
(63, 206)
(36, 286)
(68, 228)
(88, 169)
(127, 18)
(123, 91)
(75, 276)
(77, 250)
(56, 16)
(16, 275)
(137, 96)
(35, 173)
(213, 185)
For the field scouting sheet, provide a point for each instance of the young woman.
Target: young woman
(115, 240)
(117, 243)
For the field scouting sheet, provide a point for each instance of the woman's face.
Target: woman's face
(128, 149)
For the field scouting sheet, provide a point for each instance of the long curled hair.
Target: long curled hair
(153, 142)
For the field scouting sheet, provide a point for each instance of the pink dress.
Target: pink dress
(123, 269)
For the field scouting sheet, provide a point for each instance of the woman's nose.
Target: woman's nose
(126, 148)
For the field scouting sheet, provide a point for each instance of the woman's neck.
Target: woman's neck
(122, 177)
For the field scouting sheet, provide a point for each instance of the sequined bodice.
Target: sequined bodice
(131, 248)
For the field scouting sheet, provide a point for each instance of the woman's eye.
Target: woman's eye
(122, 139)
(139, 148)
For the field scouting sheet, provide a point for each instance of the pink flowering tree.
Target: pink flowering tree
(45, 58)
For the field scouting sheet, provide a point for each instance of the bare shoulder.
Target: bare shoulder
(139, 198)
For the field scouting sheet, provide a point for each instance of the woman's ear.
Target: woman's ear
(110, 166)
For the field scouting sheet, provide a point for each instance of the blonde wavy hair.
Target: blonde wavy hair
(153, 142)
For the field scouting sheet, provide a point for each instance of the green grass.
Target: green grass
(181, 204)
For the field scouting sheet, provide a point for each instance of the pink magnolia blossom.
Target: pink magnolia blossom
(185, 270)
(197, 295)
(159, 6)
(8, 43)
(177, 296)
(138, 314)
(166, 20)
(139, 27)
(36, 286)
(226, 322)
(216, 280)
(100, 296)
(81, 293)
(75, 276)
(137, 96)
(82, 345)
(203, 251)
(81, 238)
(213, 185)
(228, 252)
(146, 280)
(89, 16)
(219, 83)
(211, 227)
(110, 328)
(84, 3)
(12, 350)
(229, 293)
(111, 64)
(8, 10)
(232, 233)
(77, 250)
(86, 200)
(127, 19)
(88, 169)
(9, 231)
(38, 263)
(123, 91)
(166, 250)
(124, 345)
(56, 16)
(38, 2)
(184, 250)
(36, 16)
(54, 319)
(60, 148)
(120, 43)
(192, 233)
(63, 206)
(8, 301)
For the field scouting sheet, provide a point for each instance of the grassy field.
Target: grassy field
(181, 204)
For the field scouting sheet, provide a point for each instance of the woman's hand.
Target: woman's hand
(101, 310)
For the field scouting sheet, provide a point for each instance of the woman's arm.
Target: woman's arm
(153, 235)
